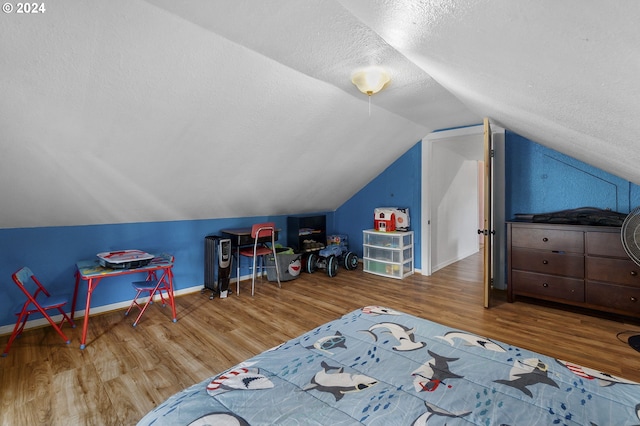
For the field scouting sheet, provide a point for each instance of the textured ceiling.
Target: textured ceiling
(134, 111)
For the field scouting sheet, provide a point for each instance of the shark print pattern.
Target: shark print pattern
(379, 366)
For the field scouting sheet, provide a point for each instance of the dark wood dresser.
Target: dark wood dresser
(573, 264)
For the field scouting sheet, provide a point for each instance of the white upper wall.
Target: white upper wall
(135, 111)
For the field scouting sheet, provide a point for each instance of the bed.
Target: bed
(377, 366)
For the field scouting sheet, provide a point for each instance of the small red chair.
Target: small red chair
(151, 287)
(38, 300)
(260, 232)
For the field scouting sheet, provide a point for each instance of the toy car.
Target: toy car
(330, 257)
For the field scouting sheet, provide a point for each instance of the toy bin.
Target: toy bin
(289, 265)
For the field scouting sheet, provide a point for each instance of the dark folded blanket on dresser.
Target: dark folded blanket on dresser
(579, 216)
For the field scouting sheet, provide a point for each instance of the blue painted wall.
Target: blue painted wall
(538, 180)
(51, 254)
(397, 186)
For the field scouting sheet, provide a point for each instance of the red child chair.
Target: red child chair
(151, 287)
(38, 300)
(260, 232)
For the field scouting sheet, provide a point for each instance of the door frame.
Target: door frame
(498, 195)
(488, 222)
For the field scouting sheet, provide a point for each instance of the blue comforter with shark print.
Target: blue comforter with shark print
(376, 366)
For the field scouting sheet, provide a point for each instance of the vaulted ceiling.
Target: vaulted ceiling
(133, 111)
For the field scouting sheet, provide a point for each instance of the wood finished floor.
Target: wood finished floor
(125, 371)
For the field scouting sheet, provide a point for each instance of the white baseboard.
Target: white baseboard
(8, 329)
(451, 261)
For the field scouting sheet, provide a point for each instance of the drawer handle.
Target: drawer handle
(545, 285)
(545, 239)
(545, 261)
(634, 299)
(634, 273)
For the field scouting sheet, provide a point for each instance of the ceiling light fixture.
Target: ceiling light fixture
(370, 80)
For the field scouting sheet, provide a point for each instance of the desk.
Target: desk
(242, 237)
(91, 272)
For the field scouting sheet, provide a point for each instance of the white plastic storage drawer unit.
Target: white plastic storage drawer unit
(389, 254)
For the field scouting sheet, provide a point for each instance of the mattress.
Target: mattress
(378, 366)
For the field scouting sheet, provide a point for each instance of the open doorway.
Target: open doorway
(452, 196)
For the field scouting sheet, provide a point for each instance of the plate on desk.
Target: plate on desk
(124, 259)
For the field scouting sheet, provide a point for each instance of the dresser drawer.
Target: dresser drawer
(547, 286)
(614, 297)
(547, 262)
(548, 239)
(605, 244)
(618, 271)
